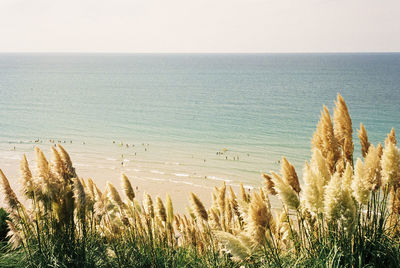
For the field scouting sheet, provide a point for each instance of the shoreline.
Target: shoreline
(148, 178)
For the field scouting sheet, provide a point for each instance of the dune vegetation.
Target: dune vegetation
(345, 213)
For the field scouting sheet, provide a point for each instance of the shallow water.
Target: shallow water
(179, 110)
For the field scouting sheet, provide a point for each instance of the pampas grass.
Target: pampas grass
(335, 214)
(363, 137)
(198, 207)
(343, 129)
(127, 187)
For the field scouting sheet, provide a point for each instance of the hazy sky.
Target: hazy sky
(200, 25)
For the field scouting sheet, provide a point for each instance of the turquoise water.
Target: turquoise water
(187, 107)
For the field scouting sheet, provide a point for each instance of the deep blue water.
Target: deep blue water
(258, 106)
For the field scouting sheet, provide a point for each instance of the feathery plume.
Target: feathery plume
(114, 195)
(26, 178)
(363, 137)
(161, 210)
(148, 204)
(233, 245)
(287, 194)
(395, 200)
(391, 138)
(126, 185)
(170, 208)
(244, 195)
(99, 194)
(10, 197)
(221, 198)
(57, 167)
(42, 166)
(69, 169)
(343, 129)
(289, 175)
(80, 197)
(198, 207)
(259, 219)
(347, 177)
(269, 184)
(360, 183)
(320, 167)
(214, 219)
(372, 167)
(14, 235)
(339, 205)
(380, 150)
(233, 201)
(48, 188)
(325, 141)
(91, 187)
(313, 190)
(390, 164)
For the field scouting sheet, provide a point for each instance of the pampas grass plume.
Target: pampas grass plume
(10, 197)
(259, 219)
(339, 205)
(148, 204)
(198, 207)
(373, 168)
(269, 184)
(325, 140)
(113, 194)
(343, 129)
(69, 169)
(161, 210)
(390, 164)
(289, 175)
(313, 190)
(233, 245)
(363, 137)
(26, 178)
(170, 208)
(80, 197)
(360, 183)
(391, 138)
(288, 196)
(244, 195)
(127, 187)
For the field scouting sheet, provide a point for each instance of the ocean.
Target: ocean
(196, 119)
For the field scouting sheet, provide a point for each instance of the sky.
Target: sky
(199, 26)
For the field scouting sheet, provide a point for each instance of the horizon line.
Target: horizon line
(131, 52)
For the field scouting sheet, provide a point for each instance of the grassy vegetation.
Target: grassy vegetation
(345, 214)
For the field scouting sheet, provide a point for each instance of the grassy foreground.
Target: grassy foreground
(345, 214)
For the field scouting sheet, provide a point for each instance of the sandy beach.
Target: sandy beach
(147, 179)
